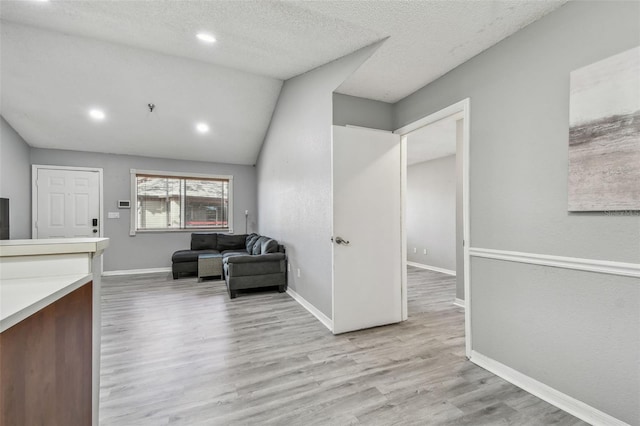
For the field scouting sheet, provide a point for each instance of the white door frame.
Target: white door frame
(462, 108)
(34, 193)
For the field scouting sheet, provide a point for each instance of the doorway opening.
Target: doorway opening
(435, 206)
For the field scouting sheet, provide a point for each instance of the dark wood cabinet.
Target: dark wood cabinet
(46, 367)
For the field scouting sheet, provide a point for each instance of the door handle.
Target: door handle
(341, 241)
(95, 231)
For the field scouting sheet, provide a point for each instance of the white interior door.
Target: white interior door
(366, 229)
(68, 203)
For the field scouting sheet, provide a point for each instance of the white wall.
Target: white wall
(152, 249)
(576, 331)
(294, 176)
(15, 180)
(431, 212)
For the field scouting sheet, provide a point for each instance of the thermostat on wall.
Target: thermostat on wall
(124, 204)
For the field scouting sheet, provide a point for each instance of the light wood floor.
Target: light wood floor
(180, 352)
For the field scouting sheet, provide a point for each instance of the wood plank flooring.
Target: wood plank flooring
(182, 353)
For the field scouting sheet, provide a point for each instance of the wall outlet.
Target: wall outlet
(425, 251)
(415, 250)
(298, 272)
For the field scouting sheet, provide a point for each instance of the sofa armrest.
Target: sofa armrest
(270, 257)
(254, 269)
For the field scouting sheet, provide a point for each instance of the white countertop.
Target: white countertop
(22, 297)
(52, 246)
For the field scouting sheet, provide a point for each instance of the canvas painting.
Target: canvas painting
(604, 135)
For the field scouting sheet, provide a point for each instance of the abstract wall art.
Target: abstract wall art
(604, 135)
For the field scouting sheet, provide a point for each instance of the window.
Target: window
(167, 201)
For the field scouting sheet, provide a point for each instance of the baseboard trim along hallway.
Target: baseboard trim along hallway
(312, 309)
(135, 271)
(432, 268)
(565, 402)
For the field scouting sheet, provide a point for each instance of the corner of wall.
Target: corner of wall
(15, 179)
(294, 175)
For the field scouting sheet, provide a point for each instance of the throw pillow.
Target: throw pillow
(257, 247)
(269, 246)
(251, 241)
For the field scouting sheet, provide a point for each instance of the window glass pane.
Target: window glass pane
(158, 202)
(167, 202)
(206, 203)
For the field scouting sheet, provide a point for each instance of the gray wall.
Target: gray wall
(149, 250)
(557, 326)
(15, 180)
(362, 112)
(294, 176)
(572, 330)
(431, 212)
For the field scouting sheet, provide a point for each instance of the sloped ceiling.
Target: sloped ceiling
(51, 80)
(59, 58)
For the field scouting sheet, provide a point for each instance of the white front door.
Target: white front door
(68, 203)
(366, 229)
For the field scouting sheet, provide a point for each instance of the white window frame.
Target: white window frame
(133, 229)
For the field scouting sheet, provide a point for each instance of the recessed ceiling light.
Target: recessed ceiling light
(202, 127)
(206, 37)
(97, 114)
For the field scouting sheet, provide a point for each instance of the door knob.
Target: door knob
(95, 231)
(342, 241)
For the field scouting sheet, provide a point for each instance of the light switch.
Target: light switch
(113, 215)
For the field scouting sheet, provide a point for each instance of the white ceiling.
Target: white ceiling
(67, 55)
(431, 142)
(50, 81)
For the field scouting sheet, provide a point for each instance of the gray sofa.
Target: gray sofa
(248, 261)
(186, 261)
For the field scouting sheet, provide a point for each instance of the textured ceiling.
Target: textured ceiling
(427, 39)
(271, 38)
(123, 54)
(434, 141)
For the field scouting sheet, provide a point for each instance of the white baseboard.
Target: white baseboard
(459, 302)
(312, 309)
(135, 271)
(432, 268)
(565, 402)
